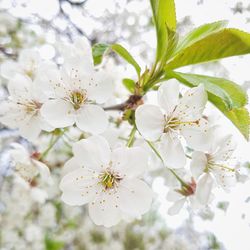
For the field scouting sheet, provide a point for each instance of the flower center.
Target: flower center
(31, 107)
(173, 123)
(77, 98)
(109, 179)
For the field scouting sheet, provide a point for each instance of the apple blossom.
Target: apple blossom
(181, 116)
(76, 90)
(106, 180)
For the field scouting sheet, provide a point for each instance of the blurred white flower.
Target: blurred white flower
(181, 117)
(107, 180)
(7, 23)
(26, 165)
(29, 64)
(22, 109)
(76, 89)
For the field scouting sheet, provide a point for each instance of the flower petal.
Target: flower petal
(104, 211)
(100, 87)
(191, 104)
(172, 151)
(173, 196)
(58, 113)
(125, 161)
(198, 136)
(92, 153)
(204, 188)
(9, 69)
(198, 163)
(168, 95)
(176, 207)
(149, 121)
(92, 118)
(135, 197)
(79, 187)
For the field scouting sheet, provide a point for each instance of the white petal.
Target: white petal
(198, 163)
(173, 195)
(191, 104)
(31, 129)
(135, 197)
(125, 161)
(20, 87)
(79, 187)
(58, 113)
(204, 188)
(225, 148)
(199, 136)
(9, 69)
(176, 207)
(100, 87)
(29, 58)
(71, 165)
(93, 153)
(168, 95)
(105, 211)
(43, 171)
(225, 178)
(92, 118)
(149, 121)
(172, 151)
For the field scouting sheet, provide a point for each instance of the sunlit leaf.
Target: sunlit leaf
(165, 19)
(221, 44)
(121, 51)
(98, 51)
(129, 84)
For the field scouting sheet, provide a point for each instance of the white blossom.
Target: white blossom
(29, 64)
(22, 109)
(26, 165)
(106, 180)
(214, 166)
(180, 116)
(76, 90)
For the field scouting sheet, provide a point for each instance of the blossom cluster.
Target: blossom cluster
(104, 169)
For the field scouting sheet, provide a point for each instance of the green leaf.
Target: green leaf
(165, 19)
(200, 33)
(226, 95)
(129, 84)
(121, 51)
(98, 51)
(221, 44)
(52, 244)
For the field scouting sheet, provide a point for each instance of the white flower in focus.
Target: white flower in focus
(76, 90)
(107, 180)
(181, 116)
(29, 64)
(214, 166)
(26, 165)
(22, 109)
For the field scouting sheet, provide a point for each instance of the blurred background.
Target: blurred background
(31, 215)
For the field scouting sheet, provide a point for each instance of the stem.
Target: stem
(131, 137)
(51, 145)
(183, 183)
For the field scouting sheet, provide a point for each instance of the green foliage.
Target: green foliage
(51, 244)
(200, 33)
(221, 44)
(97, 237)
(121, 51)
(165, 22)
(226, 95)
(98, 51)
(129, 84)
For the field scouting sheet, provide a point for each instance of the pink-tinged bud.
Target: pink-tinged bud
(188, 188)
